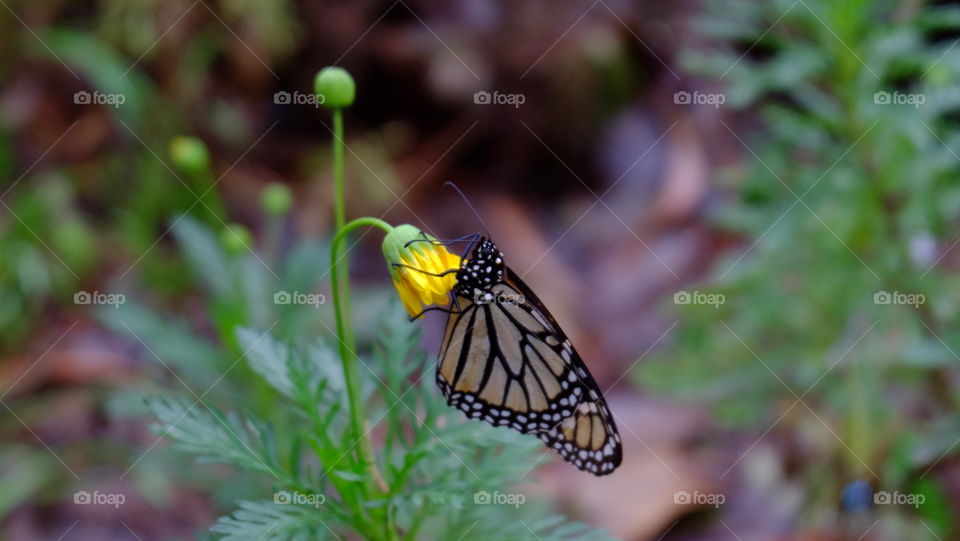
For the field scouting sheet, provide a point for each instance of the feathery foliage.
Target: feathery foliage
(278, 415)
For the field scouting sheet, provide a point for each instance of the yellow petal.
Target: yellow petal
(435, 284)
(442, 298)
(450, 260)
(410, 301)
(423, 292)
(416, 280)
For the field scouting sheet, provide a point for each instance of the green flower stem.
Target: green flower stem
(347, 340)
(337, 89)
(339, 211)
(339, 214)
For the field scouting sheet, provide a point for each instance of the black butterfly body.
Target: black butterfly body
(505, 360)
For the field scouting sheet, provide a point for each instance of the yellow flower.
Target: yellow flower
(414, 266)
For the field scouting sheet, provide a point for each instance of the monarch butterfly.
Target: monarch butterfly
(505, 360)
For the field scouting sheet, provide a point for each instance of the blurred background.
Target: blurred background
(744, 214)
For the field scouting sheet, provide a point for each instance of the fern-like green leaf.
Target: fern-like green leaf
(204, 431)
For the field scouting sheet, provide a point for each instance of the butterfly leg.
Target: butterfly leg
(467, 238)
(438, 275)
(435, 309)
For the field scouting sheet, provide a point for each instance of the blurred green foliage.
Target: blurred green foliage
(89, 192)
(268, 397)
(34, 270)
(850, 202)
(64, 221)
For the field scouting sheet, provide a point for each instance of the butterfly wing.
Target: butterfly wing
(510, 364)
(589, 439)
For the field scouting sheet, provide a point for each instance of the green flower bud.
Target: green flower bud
(189, 154)
(236, 238)
(335, 87)
(277, 198)
(395, 245)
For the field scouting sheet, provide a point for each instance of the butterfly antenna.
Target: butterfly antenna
(469, 204)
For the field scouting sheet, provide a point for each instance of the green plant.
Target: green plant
(837, 326)
(341, 436)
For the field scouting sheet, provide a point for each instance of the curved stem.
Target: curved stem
(347, 341)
